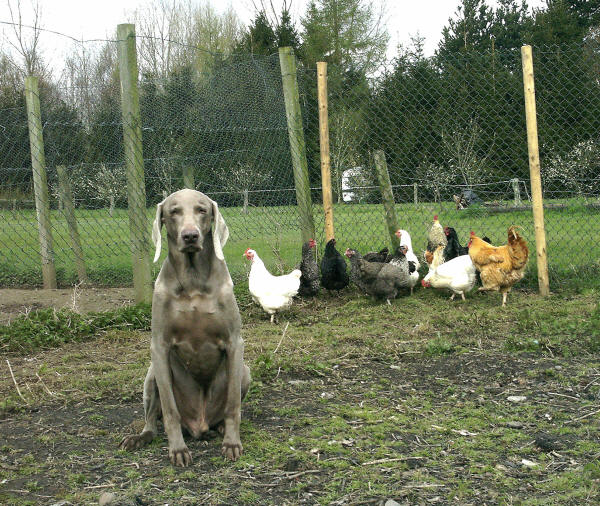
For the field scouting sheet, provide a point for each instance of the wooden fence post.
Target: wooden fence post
(534, 170)
(415, 193)
(516, 191)
(134, 160)
(291, 95)
(324, 144)
(66, 197)
(40, 181)
(387, 195)
(188, 177)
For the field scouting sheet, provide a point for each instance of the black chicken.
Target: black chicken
(377, 256)
(310, 283)
(453, 248)
(381, 280)
(334, 275)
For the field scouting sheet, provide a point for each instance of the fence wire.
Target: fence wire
(452, 130)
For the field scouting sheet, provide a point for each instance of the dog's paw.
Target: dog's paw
(135, 441)
(232, 449)
(180, 457)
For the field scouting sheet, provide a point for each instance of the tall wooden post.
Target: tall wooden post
(40, 181)
(291, 95)
(534, 170)
(324, 143)
(66, 197)
(134, 161)
(188, 177)
(387, 195)
(416, 193)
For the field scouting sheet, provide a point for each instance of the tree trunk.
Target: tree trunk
(111, 205)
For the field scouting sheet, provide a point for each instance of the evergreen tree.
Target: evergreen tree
(286, 33)
(259, 38)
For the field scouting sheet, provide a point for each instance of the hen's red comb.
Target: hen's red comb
(435, 217)
(472, 233)
(247, 249)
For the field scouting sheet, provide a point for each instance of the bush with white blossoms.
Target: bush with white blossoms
(577, 171)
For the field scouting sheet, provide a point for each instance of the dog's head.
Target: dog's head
(188, 216)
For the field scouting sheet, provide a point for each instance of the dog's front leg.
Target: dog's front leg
(232, 445)
(178, 450)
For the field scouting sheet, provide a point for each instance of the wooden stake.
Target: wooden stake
(291, 96)
(324, 143)
(64, 189)
(134, 160)
(188, 177)
(534, 170)
(40, 181)
(387, 195)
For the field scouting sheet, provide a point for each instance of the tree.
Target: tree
(25, 40)
(178, 33)
(285, 31)
(345, 33)
(244, 177)
(259, 38)
(470, 30)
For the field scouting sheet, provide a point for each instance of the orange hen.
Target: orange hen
(500, 266)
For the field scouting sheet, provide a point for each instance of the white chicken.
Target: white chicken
(458, 275)
(273, 293)
(405, 240)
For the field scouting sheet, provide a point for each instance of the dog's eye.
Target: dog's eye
(200, 210)
(175, 211)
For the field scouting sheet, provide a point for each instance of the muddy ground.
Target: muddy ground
(347, 407)
(15, 302)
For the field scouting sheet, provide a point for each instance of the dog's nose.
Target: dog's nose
(190, 236)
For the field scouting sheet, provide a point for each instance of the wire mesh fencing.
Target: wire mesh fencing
(451, 130)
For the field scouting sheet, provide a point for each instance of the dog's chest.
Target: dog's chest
(197, 319)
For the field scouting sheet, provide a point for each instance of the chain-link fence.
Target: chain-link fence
(451, 128)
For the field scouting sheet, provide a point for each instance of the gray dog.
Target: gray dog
(197, 378)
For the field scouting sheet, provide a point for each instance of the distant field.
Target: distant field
(572, 238)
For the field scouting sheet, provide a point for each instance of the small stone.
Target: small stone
(528, 463)
(391, 502)
(107, 498)
(516, 398)
(515, 425)
(326, 395)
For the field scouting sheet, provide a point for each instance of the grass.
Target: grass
(359, 402)
(274, 233)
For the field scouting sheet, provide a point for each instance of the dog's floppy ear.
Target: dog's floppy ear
(156, 226)
(220, 232)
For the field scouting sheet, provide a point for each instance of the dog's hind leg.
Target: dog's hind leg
(151, 413)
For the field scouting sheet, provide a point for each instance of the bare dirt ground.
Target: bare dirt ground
(352, 402)
(15, 302)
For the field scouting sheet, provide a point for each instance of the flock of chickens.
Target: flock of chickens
(384, 275)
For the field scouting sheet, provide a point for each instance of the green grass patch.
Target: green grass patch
(48, 328)
(273, 233)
